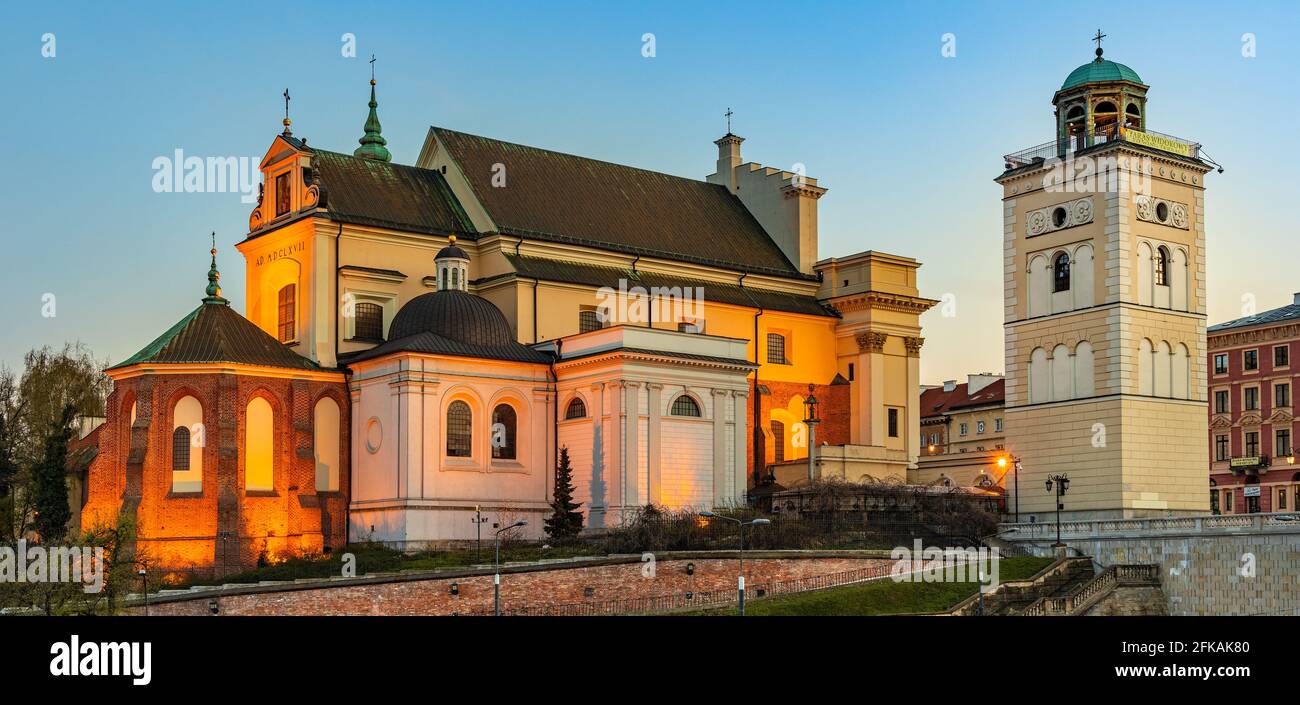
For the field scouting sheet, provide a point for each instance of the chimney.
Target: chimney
(975, 383)
(949, 385)
(728, 160)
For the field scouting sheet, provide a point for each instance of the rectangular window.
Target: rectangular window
(1282, 395)
(893, 423)
(1221, 448)
(1227, 501)
(282, 194)
(979, 427)
(1220, 364)
(588, 320)
(850, 371)
(1250, 360)
(286, 327)
(1282, 442)
(1281, 356)
(961, 430)
(1281, 498)
(369, 323)
(997, 425)
(778, 441)
(1251, 398)
(776, 349)
(1221, 401)
(1252, 444)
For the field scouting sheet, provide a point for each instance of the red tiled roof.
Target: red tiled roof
(936, 402)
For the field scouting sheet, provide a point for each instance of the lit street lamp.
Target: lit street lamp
(496, 577)
(811, 421)
(477, 521)
(740, 582)
(1014, 462)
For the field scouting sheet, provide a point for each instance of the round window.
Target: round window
(1058, 217)
(374, 434)
(1162, 211)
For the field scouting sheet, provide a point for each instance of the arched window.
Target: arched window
(1162, 266)
(181, 449)
(460, 433)
(188, 441)
(286, 327)
(685, 406)
(577, 409)
(259, 446)
(369, 322)
(503, 432)
(778, 441)
(325, 441)
(1061, 272)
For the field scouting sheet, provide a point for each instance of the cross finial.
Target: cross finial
(287, 121)
(372, 69)
(1098, 39)
(728, 114)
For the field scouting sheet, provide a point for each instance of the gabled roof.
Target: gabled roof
(383, 194)
(565, 198)
(1277, 315)
(937, 402)
(714, 292)
(214, 333)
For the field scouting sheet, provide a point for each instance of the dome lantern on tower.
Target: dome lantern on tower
(1097, 102)
(453, 267)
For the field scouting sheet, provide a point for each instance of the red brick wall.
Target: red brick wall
(518, 590)
(221, 529)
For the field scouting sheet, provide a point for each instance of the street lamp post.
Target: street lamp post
(740, 581)
(811, 421)
(1061, 483)
(496, 577)
(1014, 462)
(478, 532)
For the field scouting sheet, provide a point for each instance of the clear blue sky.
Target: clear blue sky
(907, 141)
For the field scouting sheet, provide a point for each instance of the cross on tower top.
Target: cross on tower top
(287, 121)
(728, 115)
(1098, 39)
(372, 69)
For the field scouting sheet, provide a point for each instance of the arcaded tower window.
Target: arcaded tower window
(460, 434)
(286, 324)
(1061, 272)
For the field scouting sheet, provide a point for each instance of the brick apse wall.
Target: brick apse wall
(522, 587)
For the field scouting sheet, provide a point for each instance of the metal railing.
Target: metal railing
(1066, 146)
(1090, 593)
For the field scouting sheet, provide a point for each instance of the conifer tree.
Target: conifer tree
(565, 521)
(51, 481)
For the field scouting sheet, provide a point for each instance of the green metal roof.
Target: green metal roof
(1100, 69)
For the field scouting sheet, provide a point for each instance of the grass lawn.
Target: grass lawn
(881, 597)
(373, 558)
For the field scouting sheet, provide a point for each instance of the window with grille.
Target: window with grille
(1061, 272)
(588, 320)
(776, 349)
(368, 323)
(460, 435)
(180, 449)
(282, 194)
(685, 406)
(577, 409)
(778, 441)
(1162, 266)
(286, 323)
(893, 423)
(503, 432)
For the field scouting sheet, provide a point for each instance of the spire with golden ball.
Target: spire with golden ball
(214, 278)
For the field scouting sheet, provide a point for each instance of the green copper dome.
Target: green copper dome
(1100, 69)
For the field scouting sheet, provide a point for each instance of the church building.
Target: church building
(1104, 280)
(421, 341)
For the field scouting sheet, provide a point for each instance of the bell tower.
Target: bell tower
(1104, 307)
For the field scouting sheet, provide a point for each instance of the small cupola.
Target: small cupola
(1099, 101)
(453, 267)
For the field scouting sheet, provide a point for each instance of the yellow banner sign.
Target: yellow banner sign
(1164, 144)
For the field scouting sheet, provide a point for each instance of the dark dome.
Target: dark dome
(455, 315)
(451, 251)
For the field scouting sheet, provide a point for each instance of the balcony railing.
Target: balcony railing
(1068, 146)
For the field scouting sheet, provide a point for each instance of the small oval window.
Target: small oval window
(1058, 217)
(1162, 211)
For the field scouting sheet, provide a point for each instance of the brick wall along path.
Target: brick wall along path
(518, 590)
